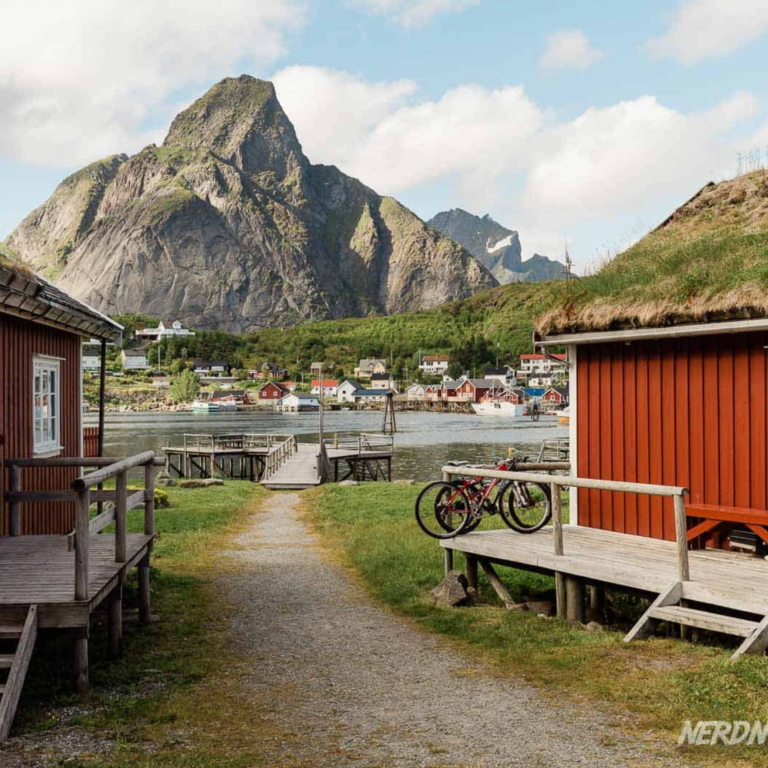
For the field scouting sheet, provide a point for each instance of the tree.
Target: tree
(184, 387)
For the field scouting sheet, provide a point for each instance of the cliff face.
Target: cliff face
(495, 247)
(228, 225)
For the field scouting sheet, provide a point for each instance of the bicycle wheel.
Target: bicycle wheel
(442, 510)
(473, 492)
(527, 507)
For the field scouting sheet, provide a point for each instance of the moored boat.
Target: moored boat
(497, 408)
(204, 406)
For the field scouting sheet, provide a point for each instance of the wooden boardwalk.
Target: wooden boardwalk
(40, 570)
(300, 471)
(718, 578)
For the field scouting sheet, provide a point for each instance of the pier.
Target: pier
(280, 462)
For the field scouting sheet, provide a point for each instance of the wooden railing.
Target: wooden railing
(278, 455)
(557, 482)
(237, 442)
(363, 443)
(83, 492)
(323, 464)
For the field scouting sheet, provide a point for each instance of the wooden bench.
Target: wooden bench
(717, 519)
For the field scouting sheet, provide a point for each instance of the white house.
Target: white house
(346, 391)
(383, 381)
(363, 396)
(135, 359)
(415, 392)
(505, 375)
(368, 366)
(539, 365)
(434, 365)
(299, 401)
(164, 331)
(210, 367)
(329, 387)
(91, 359)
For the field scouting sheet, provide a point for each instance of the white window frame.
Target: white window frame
(45, 365)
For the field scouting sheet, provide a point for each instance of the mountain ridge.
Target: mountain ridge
(227, 224)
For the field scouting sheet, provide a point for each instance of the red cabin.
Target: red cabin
(272, 392)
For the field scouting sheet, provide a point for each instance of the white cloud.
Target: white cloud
(604, 176)
(569, 49)
(415, 13)
(707, 29)
(80, 80)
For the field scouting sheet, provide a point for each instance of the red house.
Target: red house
(473, 390)
(555, 396)
(54, 569)
(272, 392)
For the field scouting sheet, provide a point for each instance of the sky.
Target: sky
(581, 123)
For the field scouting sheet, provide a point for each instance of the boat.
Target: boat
(564, 416)
(497, 408)
(204, 406)
(227, 404)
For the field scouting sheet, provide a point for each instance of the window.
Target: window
(47, 394)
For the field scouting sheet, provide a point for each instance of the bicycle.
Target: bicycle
(445, 509)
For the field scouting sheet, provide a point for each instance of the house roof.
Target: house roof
(326, 383)
(436, 358)
(483, 383)
(562, 357)
(135, 352)
(302, 396)
(534, 391)
(503, 371)
(199, 363)
(91, 352)
(26, 295)
(277, 384)
(372, 392)
(381, 376)
(352, 382)
(228, 393)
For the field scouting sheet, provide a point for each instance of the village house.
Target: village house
(383, 381)
(434, 365)
(505, 375)
(346, 391)
(237, 396)
(210, 367)
(329, 386)
(91, 359)
(55, 570)
(534, 394)
(415, 392)
(267, 370)
(367, 367)
(135, 359)
(538, 365)
(317, 367)
(299, 401)
(433, 391)
(555, 396)
(364, 396)
(473, 390)
(164, 331)
(271, 392)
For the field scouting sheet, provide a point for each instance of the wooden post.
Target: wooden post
(574, 590)
(115, 624)
(471, 571)
(121, 531)
(681, 534)
(557, 540)
(80, 676)
(14, 506)
(596, 604)
(145, 614)
(448, 560)
(82, 546)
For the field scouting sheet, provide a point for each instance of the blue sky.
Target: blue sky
(579, 121)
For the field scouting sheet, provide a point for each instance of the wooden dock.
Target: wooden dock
(300, 471)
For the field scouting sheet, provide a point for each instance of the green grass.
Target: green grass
(651, 686)
(167, 686)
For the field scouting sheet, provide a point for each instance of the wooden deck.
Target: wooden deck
(40, 570)
(725, 579)
(298, 472)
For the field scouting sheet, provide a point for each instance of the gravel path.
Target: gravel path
(348, 683)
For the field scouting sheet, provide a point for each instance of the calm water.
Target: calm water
(424, 441)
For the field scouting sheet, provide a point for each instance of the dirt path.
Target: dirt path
(347, 683)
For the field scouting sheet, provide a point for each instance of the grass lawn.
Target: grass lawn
(168, 691)
(651, 686)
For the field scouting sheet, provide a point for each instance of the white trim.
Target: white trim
(54, 447)
(573, 430)
(668, 332)
(49, 357)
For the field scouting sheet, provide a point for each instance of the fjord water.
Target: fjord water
(424, 441)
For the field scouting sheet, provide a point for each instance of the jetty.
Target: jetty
(281, 462)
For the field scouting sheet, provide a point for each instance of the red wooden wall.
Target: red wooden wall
(20, 341)
(686, 412)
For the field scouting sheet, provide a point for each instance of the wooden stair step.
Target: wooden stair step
(10, 632)
(713, 622)
(6, 660)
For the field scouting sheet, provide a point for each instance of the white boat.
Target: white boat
(204, 406)
(497, 408)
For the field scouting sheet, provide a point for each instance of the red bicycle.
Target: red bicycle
(446, 509)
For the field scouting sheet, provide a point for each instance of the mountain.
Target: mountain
(707, 261)
(496, 247)
(228, 225)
